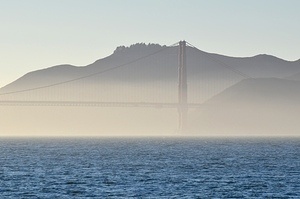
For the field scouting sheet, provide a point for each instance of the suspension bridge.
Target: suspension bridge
(168, 77)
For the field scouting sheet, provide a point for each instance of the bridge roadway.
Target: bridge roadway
(95, 103)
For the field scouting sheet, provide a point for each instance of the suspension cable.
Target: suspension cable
(222, 63)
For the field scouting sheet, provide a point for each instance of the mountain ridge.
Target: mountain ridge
(261, 90)
(159, 67)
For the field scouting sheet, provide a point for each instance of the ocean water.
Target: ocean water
(149, 168)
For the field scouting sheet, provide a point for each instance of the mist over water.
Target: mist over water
(88, 121)
(209, 120)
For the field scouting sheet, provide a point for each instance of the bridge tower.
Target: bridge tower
(182, 87)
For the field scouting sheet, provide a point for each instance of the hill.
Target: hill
(265, 106)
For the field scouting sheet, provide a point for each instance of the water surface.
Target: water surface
(149, 167)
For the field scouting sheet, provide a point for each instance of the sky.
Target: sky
(36, 34)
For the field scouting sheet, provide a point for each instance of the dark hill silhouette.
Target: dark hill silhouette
(253, 106)
(261, 90)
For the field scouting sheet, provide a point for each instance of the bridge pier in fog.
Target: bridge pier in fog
(182, 88)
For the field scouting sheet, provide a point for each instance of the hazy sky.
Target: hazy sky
(35, 34)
